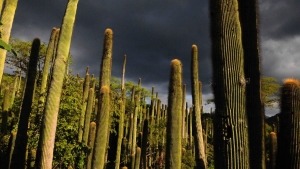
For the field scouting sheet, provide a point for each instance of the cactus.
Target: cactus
(248, 14)
(48, 128)
(144, 145)
(106, 63)
(46, 68)
(200, 156)
(289, 135)
(137, 158)
(5, 111)
(11, 145)
(230, 122)
(135, 116)
(121, 118)
(7, 18)
(183, 111)
(174, 117)
(102, 130)
(86, 87)
(91, 142)
(22, 137)
(273, 150)
(88, 114)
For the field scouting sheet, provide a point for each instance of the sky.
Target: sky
(152, 33)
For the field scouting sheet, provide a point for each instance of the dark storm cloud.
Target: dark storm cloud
(280, 19)
(152, 33)
(280, 38)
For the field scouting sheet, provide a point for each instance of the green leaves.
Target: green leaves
(6, 46)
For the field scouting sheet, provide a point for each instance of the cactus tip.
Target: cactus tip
(176, 62)
(291, 81)
(108, 31)
(194, 46)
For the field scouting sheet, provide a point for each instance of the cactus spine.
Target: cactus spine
(200, 156)
(174, 117)
(103, 114)
(48, 127)
(230, 123)
(7, 18)
(22, 138)
(289, 135)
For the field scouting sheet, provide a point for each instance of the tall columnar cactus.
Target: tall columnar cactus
(137, 158)
(86, 87)
(106, 63)
(103, 114)
(88, 113)
(230, 122)
(47, 64)
(102, 130)
(121, 117)
(273, 150)
(18, 159)
(144, 144)
(48, 128)
(174, 117)
(200, 156)
(135, 117)
(289, 135)
(7, 18)
(91, 142)
(248, 14)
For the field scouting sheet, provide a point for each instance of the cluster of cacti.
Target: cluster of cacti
(115, 130)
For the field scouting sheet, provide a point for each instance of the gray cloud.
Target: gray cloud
(152, 33)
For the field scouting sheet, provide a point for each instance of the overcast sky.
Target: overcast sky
(152, 33)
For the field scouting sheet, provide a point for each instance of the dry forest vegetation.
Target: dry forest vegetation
(51, 118)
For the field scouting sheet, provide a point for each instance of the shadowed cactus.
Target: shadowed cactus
(273, 150)
(174, 117)
(289, 135)
(18, 159)
(248, 14)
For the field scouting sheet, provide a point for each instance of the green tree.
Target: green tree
(269, 91)
(22, 48)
